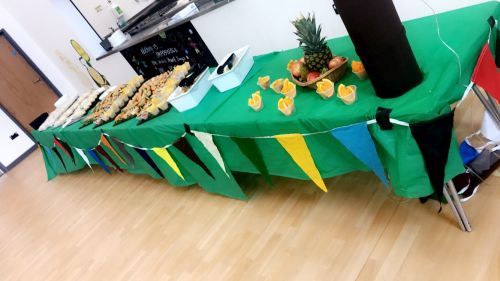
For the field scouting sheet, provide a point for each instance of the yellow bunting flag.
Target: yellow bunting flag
(163, 153)
(296, 146)
(105, 142)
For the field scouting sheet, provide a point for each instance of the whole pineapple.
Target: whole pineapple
(317, 55)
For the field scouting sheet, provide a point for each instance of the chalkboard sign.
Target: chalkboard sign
(168, 49)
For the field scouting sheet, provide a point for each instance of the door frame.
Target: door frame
(19, 50)
(23, 156)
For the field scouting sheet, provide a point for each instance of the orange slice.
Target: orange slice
(345, 91)
(277, 85)
(255, 99)
(324, 85)
(357, 66)
(286, 106)
(284, 103)
(263, 82)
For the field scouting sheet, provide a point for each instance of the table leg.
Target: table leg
(453, 209)
(458, 206)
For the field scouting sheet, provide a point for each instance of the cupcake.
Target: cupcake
(153, 110)
(163, 106)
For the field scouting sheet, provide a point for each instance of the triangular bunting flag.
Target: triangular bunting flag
(183, 145)
(357, 139)
(296, 146)
(165, 155)
(486, 74)
(49, 162)
(60, 158)
(251, 150)
(208, 142)
(433, 138)
(98, 160)
(84, 157)
(65, 148)
(150, 161)
(101, 151)
(106, 143)
(124, 151)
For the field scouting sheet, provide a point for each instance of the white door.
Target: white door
(14, 142)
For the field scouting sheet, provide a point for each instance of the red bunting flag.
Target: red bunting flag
(486, 74)
(65, 148)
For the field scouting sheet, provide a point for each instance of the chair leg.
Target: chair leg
(458, 205)
(452, 207)
(489, 104)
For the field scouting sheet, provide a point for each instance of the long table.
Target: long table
(465, 30)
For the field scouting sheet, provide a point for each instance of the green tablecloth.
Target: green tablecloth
(227, 113)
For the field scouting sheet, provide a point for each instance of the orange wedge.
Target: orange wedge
(263, 82)
(357, 66)
(255, 102)
(345, 91)
(289, 89)
(286, 106)
(325, 88)
(277, 85)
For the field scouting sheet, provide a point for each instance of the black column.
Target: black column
(380, 41)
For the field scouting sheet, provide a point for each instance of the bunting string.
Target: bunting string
(369, 122)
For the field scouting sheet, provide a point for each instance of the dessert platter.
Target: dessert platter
(158, 104)
(141, 98)
(114, 100)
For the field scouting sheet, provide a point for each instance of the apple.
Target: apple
(294, 67)
(313, 76)
(335, 62)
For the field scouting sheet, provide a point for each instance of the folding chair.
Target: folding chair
(487, 76)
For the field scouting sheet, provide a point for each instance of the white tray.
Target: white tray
(191, 98)
(234, 77)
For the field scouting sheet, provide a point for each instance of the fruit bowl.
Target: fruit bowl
(334, 75)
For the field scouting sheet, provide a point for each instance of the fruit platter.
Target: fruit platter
(318, 62)
(158, 102)
(142, 97)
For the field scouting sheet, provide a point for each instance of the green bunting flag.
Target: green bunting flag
(183, 145)
(250, 149)
(60, 158)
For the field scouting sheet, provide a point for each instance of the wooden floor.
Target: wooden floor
(127, 227)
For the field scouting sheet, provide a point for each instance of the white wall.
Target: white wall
(43, 33)
(265, 25)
